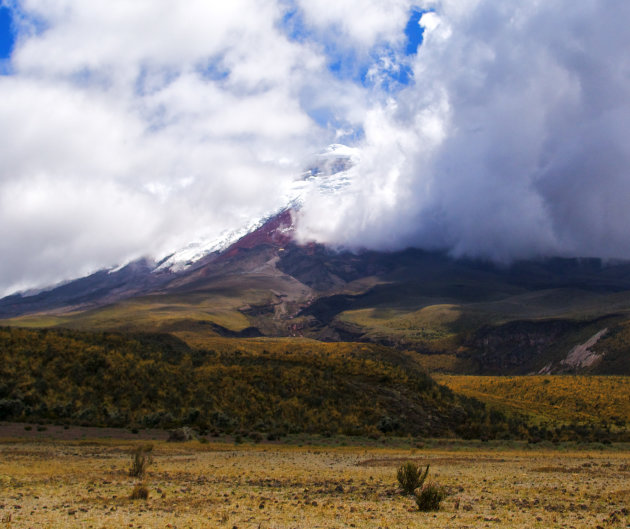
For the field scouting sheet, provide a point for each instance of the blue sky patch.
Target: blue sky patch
(7, 36)
(344, 63)
(414, 32)
(293, 25)
(213, 69)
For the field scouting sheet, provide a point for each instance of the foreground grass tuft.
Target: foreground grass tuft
(139, 492)
(429, 497)
(410, 477)
(140, 460)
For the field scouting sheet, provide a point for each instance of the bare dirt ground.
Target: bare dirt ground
(9, 430)
(86, 484)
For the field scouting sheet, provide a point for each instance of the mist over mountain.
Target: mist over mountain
(485, 129)
(511, 142)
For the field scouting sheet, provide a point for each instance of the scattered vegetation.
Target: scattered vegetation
(411, 480)
(264, 388)
(599, 401)
(181, 435)
(139, 492)
(431, 327)
(63, 484)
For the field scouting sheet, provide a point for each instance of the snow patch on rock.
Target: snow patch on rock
(328, 173)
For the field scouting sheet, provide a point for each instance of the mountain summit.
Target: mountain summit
(328, 172)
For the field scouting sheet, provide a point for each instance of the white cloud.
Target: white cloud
(129, 128)
(362, 23)
(512, 142)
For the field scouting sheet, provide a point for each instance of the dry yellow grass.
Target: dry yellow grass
(192, 485)
(429, 325)
(568, 398)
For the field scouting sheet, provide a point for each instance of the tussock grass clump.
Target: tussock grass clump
(139, 492)
(429, 497)
(140, 460)
(411, 477)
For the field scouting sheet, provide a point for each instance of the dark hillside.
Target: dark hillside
(152, 380)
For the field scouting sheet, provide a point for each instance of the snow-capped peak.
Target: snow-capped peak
(328, 172)
(335, 159)
(190, 254)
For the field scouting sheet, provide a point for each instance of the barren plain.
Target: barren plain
(86, 484)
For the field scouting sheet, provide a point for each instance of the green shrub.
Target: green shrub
(429, 497)
(410, 477)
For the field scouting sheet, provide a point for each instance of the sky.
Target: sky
(496, 130)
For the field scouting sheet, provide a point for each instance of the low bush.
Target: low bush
(410, 477)
(256, 437)
(139, 492)
(429, 497)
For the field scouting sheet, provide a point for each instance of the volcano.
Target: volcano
(470, 316)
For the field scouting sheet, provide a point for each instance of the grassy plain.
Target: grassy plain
(193, 485)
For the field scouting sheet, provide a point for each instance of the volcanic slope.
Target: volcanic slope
(460, 316)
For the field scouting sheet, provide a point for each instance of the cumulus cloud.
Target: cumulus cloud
(358, 24)
(511, 142)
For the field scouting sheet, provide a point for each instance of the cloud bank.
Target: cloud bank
(511, 142)
(134, 128)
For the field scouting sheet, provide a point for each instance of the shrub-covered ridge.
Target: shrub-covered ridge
(112, 379)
